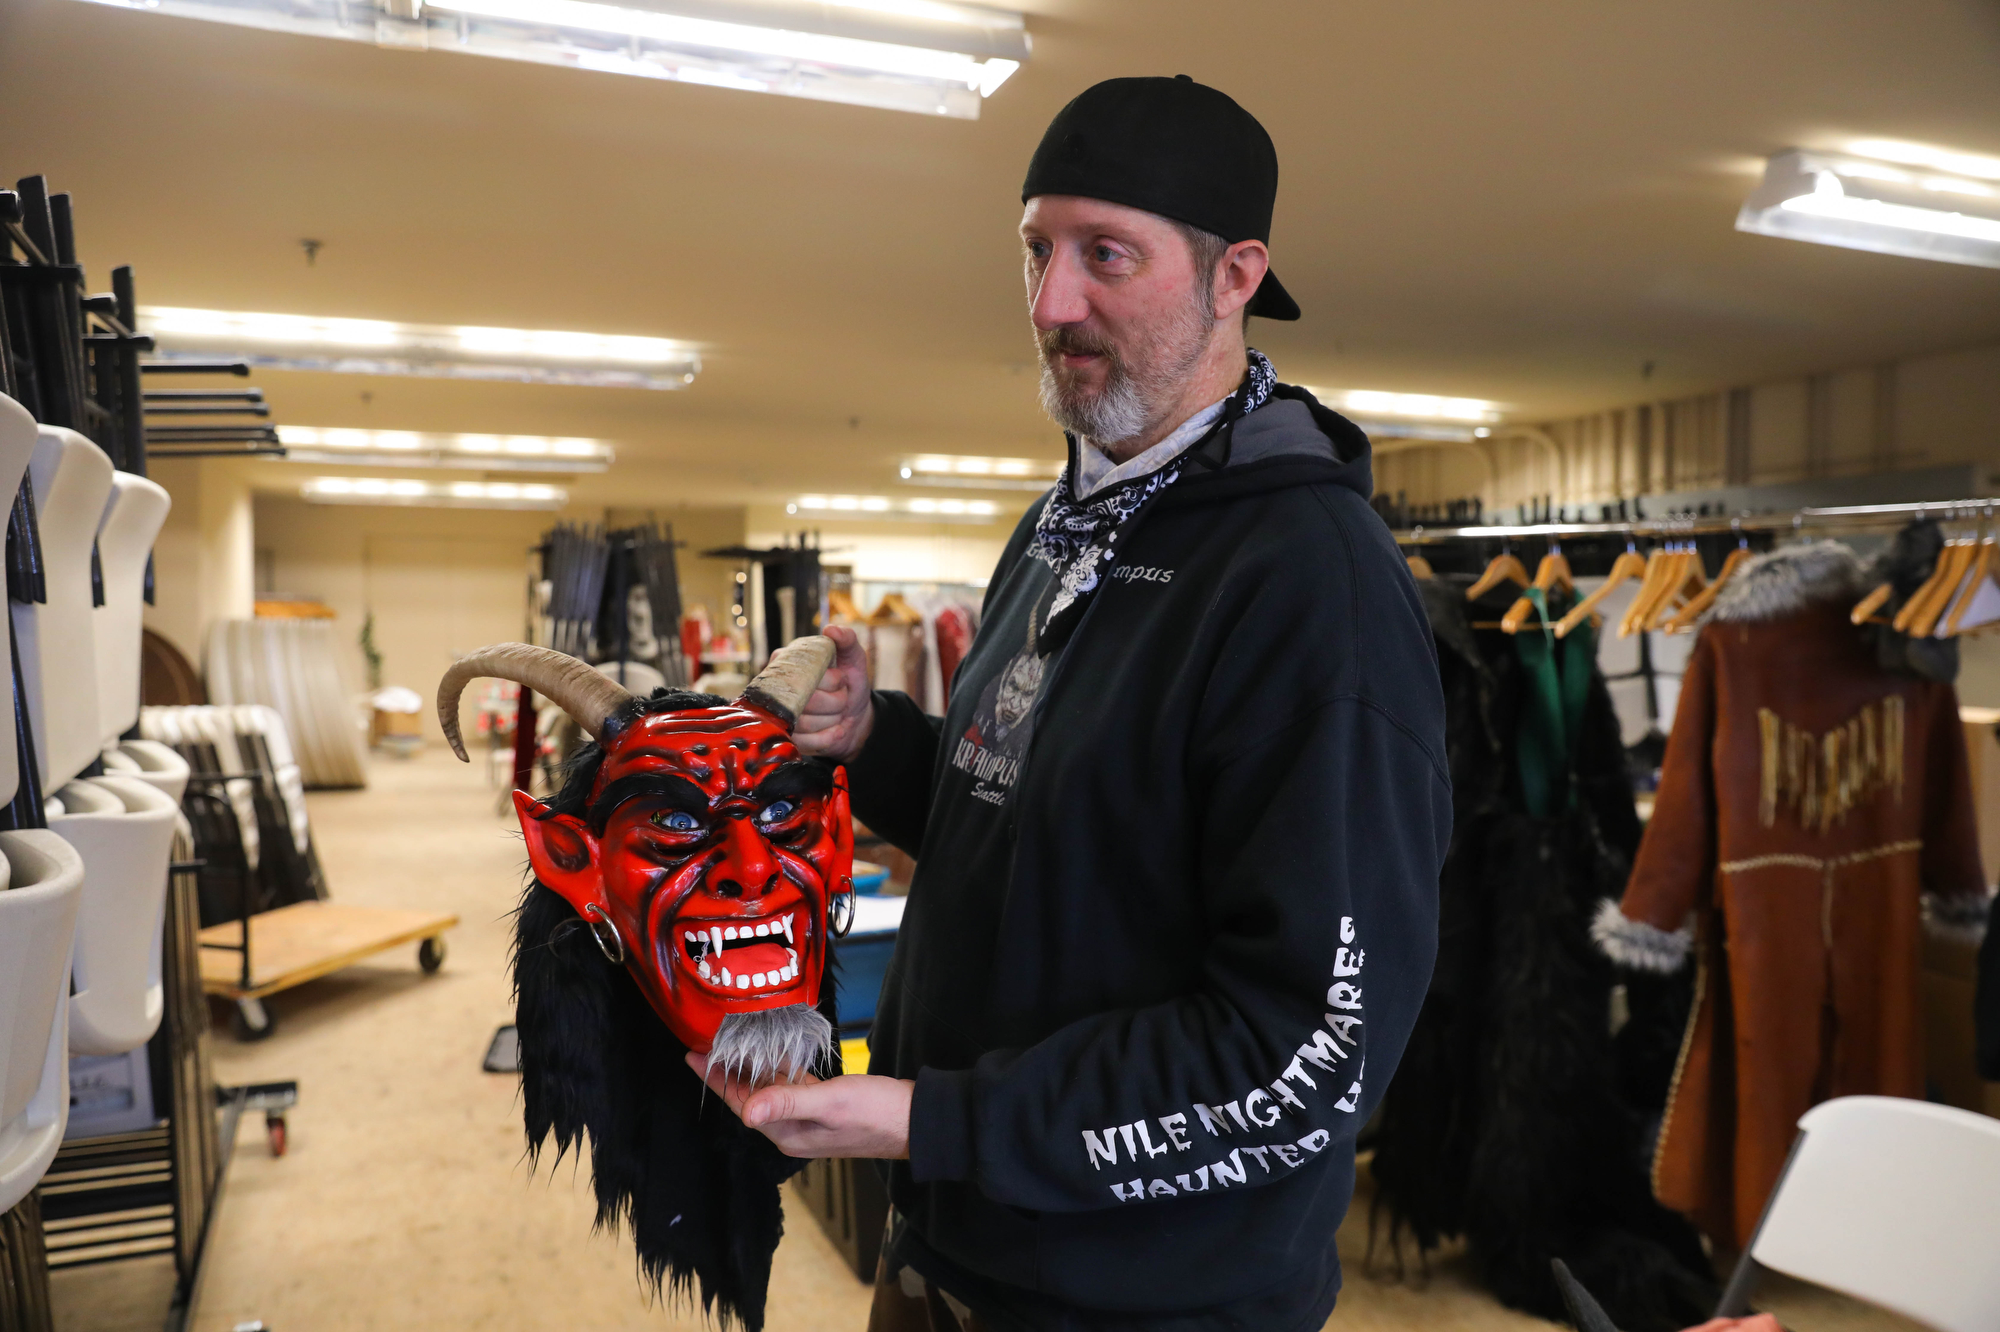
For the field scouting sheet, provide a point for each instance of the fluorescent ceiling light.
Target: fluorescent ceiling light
(981, 473)
(1923, 155)
(409, 448)
(872, 507)
(377, 347)
(431, 494)
(1862, 204)
(926, 56)
(1399, 409)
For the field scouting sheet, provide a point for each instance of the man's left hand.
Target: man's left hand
(853, 1115)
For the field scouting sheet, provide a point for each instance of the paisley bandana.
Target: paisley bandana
(1078, 540)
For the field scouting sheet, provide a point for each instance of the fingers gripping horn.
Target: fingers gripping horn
(575, 686)
(789, 678)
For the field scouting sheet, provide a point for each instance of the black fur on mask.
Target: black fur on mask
(667, 1158)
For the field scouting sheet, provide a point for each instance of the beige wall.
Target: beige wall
(1920, 412)
(440, 582)
(203, 559)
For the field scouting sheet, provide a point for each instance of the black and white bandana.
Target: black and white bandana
(1078, 539)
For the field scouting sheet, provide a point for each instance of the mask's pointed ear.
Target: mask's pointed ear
(843, 830)
(562, 852)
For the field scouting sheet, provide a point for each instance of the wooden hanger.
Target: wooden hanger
(1626, 567)
(1698, 605)
(1504, 568)
(1981, 601)
(894, 610)
(1419, 566)
(1658, 566)
(1688, 583)
(1920, 615)
(1871, 603)
(1981, 574)
(1552, 573)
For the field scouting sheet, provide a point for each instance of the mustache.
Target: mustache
(1073, 340)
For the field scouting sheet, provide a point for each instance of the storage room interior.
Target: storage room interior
(404, 353)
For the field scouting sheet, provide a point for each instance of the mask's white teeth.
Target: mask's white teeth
(725, 976)
(729, 931)
(715, 937)
(760, 979)
(742, 982)
(763, 930)
(786, 921)
(701, 970)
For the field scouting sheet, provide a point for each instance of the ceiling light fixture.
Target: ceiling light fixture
(446, 495)
(872, 507)
(980, 473)
(926, 56)
(1933, 204)
(409, 448)
(378, 347)
(1413, 415)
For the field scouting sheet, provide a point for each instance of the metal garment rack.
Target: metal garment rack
(1674, 527)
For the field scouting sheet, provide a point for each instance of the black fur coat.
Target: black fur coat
(1515, 1119)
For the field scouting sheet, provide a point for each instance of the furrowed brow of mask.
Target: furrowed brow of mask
(793, 780)
(677, 792)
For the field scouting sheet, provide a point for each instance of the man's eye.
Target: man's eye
(1105, 254)
(776, 812)
(677, 820)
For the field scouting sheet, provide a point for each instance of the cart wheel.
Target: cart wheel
(430, 954)
(251, 1020)
(274, 1129)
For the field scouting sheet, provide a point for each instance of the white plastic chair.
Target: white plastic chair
(151, 762)
(17, 444)
(124, 831)
(1891, 1201)
(58, 639)
(132, 518)
(38, 906)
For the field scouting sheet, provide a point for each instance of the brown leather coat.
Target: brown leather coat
(1807, 799)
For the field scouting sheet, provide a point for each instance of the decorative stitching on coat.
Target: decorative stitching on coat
(1820, 778)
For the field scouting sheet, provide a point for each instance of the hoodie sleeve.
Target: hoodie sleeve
(1650, 929)
(1321, 844)
(890, 780)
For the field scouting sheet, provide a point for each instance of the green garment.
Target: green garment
(1557, 672)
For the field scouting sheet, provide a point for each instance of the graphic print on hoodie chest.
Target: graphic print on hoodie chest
(991, 750)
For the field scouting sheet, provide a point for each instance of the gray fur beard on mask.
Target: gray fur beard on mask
(772, 1044)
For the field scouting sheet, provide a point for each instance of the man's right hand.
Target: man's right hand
(840, 714)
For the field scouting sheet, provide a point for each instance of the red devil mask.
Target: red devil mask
(710, 851)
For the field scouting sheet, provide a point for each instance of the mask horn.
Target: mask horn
(576, 687)
(789, 678)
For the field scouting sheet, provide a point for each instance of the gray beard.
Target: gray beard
(772, 1044)
(1135, 398)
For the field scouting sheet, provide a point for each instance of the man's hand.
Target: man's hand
(840, 714)
(855, 1115)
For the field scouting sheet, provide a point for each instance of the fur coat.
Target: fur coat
(1809, 798)
(1516, 1119)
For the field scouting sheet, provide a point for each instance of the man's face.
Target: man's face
(713, 849)
(1121, 314)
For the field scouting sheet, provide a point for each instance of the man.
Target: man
(1178, 838)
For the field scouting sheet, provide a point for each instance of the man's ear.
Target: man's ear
(562, 852)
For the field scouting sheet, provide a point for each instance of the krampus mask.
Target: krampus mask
(682, 883)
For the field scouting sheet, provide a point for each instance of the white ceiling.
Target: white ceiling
(1521, 203)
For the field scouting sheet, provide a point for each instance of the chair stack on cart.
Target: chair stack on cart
(109, 1141)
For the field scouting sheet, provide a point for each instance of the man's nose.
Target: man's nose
(747, 866)
(1060, 297)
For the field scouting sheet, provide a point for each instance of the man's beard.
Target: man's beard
(1141, 388)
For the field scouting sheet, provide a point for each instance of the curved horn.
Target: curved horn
(790, 677)
(576, 687)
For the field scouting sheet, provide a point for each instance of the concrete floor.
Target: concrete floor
(405, 1200)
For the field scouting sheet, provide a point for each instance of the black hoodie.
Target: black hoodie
(1175, 905)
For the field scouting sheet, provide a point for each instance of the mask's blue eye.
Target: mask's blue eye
(677, 820)
(776, 812)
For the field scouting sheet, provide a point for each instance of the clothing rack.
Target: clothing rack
(1850, 516)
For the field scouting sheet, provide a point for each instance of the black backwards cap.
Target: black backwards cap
(1173, 147)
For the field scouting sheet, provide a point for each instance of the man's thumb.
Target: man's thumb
(769, 1104)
